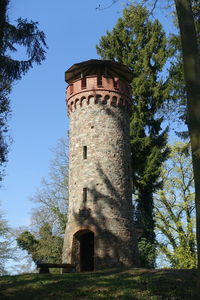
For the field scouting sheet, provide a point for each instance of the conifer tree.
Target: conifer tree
(24, 33)
(141, 44)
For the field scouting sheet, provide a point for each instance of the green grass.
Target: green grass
(113, 284)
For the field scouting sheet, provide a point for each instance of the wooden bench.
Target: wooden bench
(65, 268)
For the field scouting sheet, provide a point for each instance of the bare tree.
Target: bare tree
(175, 210)
(52, 196)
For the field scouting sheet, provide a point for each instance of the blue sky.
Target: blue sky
(39, 118)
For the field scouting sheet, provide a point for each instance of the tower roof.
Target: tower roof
(98, 67)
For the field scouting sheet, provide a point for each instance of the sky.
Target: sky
(39, 118)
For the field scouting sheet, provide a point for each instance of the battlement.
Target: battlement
(98, 89)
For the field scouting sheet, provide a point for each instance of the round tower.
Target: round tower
(100, 231)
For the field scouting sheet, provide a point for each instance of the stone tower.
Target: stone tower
(100, 231)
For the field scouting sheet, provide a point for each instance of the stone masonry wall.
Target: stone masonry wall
(102, 125)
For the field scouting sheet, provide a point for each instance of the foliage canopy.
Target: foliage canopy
(26, 34)
(141, 44)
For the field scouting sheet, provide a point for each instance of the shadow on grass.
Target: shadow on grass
(120, 284)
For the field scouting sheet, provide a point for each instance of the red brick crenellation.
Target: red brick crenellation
(113, 91)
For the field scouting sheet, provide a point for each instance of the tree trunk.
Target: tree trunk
(192, 79)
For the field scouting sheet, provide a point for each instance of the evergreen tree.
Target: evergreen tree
(141, 44)
(25, 34)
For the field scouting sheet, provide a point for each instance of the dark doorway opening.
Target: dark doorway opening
(86, 240)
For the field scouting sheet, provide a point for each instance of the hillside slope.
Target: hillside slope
(113, 284)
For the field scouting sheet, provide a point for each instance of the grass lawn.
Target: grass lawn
(112, 284)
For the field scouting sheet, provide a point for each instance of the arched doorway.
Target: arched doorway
(84, 250)
(87, 251)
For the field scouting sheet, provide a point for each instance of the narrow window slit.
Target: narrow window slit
(116, 83)
(83, 83)
(71, 88)
(99, 80)
(84, 152)
(84, 195)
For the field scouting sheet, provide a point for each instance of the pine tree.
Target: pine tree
(25, 34)
(141, 44)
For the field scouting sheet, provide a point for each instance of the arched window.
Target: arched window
(114, 101)
(83, 100)
(90, 99)
(76, 102)
(106, 99)
(98, 99)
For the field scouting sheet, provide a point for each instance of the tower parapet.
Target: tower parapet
(98, 88)
(100, 231)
